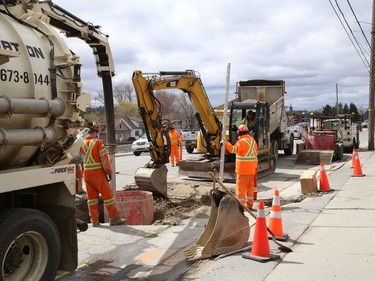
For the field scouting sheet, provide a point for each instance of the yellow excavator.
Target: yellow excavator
(228, 228)
(264, 97)
(153, 176)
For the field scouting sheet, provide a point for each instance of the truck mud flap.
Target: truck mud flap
(152, 179)
(227, 229)
(314, 157)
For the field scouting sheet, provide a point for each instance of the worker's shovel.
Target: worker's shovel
(281, 247)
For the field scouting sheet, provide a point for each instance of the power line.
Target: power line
(351, 40)
(351, 31)
(355, 16)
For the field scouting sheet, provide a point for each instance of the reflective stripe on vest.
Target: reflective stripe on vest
(89, 162)
(250, 155)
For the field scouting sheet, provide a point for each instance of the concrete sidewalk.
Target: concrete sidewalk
(340, 243)
(330, 234)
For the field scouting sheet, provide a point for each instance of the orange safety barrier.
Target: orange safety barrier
(260, 250)
(275, 223)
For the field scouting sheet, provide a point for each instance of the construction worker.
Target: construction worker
(249, 120)
(246, 150)
(175, 142)
(97, 174)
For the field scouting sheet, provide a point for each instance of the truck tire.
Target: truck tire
(289, 151)
(339, 152)
(275, 149)
(189, 149)
(137, 153)
(30, 245)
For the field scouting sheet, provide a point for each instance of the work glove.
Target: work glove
(109, 177)
(222, 143)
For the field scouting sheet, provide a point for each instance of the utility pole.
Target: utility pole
(337, 99)
(372, 84)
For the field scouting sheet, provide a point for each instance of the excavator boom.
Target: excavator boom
(150, 108)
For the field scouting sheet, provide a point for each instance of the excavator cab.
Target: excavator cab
(239, 111)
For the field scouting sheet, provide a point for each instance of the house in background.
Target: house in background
(126, 129)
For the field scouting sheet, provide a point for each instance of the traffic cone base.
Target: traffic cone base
(285, 237)
(249, 256)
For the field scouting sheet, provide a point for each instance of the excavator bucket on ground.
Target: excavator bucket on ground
(227, 229)
(314, 157)
(152, 179)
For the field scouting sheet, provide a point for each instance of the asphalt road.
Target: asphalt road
(116, 253)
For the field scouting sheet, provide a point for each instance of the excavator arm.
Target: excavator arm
(150, 109)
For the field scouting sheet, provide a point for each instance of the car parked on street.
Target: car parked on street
(297, 131)
(141, 145)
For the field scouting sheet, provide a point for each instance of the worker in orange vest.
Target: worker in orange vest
(246, 150)
(97, 174)
(175, 142)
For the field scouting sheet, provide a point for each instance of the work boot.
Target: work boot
(95, 224)
(117, 221)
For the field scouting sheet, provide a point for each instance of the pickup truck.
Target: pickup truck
(189, 138)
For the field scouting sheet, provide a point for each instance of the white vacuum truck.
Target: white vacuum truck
(40, 103)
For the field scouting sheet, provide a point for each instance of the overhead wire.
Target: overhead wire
(362, 57)
(350, 29)
(360, 26)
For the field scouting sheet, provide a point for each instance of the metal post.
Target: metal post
(225, 121)
(372, 84)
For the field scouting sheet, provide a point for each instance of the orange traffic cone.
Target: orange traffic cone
(275, 223)
(353, 157)
(357, 172)
(260, 250)
(324, 184)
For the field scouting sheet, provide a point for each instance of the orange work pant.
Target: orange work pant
(245, 189)
(96, 182)
(175, 154)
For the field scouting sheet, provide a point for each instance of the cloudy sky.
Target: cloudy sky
(299, 41)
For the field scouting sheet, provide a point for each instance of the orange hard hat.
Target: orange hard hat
(243, 128)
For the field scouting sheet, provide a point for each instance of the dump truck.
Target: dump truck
(266, 99)
(328, 139)
(41, 103)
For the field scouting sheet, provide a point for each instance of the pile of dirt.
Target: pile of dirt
(182, 199)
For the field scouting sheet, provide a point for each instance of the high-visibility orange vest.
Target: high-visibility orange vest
(175, 138)
(94, 150)
(246, 150)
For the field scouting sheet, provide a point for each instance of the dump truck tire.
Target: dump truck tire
(30, 245)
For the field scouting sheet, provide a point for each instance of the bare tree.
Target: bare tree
(186, 110)
(100, 96)
(167, 100)
(123, 92)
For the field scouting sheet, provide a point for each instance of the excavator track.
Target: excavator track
(200, 167)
